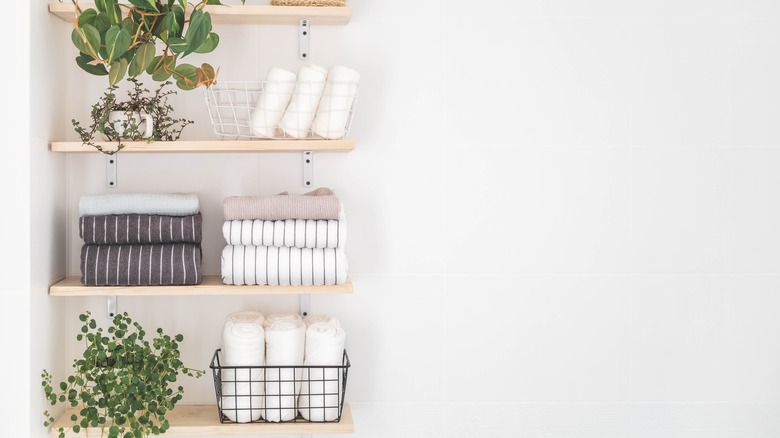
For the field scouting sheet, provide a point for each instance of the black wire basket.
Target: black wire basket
(269, 394)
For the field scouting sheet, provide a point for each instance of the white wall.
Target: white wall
(562, 214)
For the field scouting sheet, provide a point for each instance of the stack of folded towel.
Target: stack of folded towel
(285, 240)
(140, 239)
(282, 367)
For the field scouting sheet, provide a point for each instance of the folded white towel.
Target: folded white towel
(284, 344)
(297, 119)
(283, 266)
(243, 344)
(336, 104)
(167, 204)
(319, 398)
(273, 100)
(297, 233)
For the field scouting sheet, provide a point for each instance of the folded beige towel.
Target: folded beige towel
(321, 203)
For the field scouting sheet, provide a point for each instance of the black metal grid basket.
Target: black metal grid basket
(265, 394)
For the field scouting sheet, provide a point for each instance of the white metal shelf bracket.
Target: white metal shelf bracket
(111, 306)
(308, 169)
(111, 170)
(305, 304)
(304, 31)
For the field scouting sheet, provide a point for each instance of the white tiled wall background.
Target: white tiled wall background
(563, 214)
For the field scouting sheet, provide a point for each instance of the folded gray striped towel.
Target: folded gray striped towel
(140, 228)
(171, 264)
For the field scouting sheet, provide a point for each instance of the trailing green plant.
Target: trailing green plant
(139, 100)
(118, 39)
(122, 383)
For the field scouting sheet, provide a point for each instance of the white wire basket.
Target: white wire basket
(276, 110)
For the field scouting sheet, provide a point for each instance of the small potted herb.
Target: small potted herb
(122, 383)
(142, 116)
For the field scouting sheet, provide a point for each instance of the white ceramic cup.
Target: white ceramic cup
(120, 119)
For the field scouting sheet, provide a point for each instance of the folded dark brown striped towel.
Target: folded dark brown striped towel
(141, 265)
(140, 228)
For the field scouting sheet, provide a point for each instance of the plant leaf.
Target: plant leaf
(217, 2)
(183, 3)
(90, 38)
(165, 69)
(129, 25)
(117, 71)
(177, 45)
(211, 43)
(87, 17)
(117, 42)
(101, 5)
(75, 36)
(174, 22)
(186, 76)
(144, 55)
(145, 4)
(198, 30)
(95, 69)
(102, 23)
(206, 77)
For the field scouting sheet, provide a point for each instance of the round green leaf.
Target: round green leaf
(211, 43)
(117, 42)
(117, 71)
(87, 17)
(177, 45)
(144, 55)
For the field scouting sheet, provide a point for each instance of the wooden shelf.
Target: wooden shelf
(192, 420)
(211, 285)
(244, 14)
(213, 146)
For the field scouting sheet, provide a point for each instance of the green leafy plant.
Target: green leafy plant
(122, 383)
(118, 39)
(139, 100)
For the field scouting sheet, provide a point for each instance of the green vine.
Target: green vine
(122, 383)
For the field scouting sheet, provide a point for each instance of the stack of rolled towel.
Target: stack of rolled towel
(282, 367)
(285, 240)
(316, 102)
(140, 239)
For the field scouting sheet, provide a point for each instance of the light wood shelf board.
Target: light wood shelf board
(244, 14)
(203, 419)
(211, 285)
(212, 146)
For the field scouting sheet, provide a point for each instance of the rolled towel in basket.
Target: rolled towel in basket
(169, 204)
(273, 100)
(283, 266)
(321, 386)
(243, 345)
(284, 347)
(336, 104)
(321, 318)
(299, 115)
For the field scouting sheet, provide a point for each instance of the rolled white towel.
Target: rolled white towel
(284, 344)
(320, 318)
(243, 344)
(299, 115)
(320, 389)
(336, 103)
(272, 102)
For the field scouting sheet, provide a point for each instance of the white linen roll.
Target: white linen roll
(333, 112)
(320, 388)
(284, 343)
(243, 344)
(321, 317)
(272, 102)
(299, 115)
